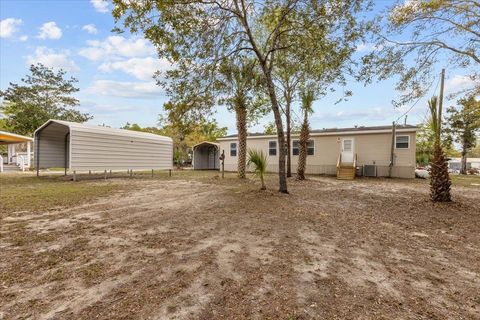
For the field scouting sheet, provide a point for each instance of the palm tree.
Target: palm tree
(439, 178)
(307, 96)
(240, 83)
(258, 160)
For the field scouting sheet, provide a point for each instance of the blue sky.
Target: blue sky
(114, 71)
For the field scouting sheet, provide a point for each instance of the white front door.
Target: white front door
(347, 149)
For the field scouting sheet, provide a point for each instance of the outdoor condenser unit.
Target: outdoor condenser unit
(369, 170)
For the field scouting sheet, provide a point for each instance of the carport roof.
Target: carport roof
(104, 130)
(206, 142)
(11, 138)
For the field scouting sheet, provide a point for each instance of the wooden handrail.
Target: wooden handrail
(339, 162)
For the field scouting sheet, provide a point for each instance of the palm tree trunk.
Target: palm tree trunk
(302, 156)
(439, 177)
(241, 114)
(263, 182)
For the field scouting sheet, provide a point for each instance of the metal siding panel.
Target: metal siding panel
(102, 151)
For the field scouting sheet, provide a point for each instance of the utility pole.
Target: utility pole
(392, 154)
(440, 102)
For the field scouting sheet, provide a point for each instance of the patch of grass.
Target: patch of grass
(93, 273)
(466, 181)
(28, 193)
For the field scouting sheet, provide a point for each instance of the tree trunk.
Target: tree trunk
(288, 102)
(302, 155)
(241, 113)
(263, 182)
(463, 168)
(439, 178)
(282, 177)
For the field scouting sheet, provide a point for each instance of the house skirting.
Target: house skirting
(382, 171)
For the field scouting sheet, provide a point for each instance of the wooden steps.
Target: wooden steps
(346, 171)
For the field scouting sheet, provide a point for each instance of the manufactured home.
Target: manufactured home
(339, 151)
(80, 147)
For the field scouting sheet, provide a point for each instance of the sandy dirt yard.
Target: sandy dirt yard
(220, 249)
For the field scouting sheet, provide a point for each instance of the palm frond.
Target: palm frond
(258, 160)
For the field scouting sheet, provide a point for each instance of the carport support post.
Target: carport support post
(152, 173)
(37, 154)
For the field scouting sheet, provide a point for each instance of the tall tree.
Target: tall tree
(427, 32)
(44, 94)
(288, 75)
(187, 126)
(439, 178)
(307, 96)
(464, 123)
(202, 33)
(240, 89)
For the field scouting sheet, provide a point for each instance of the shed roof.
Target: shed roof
(332, 131)
(11, 138)
(105, 130)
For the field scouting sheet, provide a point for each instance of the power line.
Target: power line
(419, 98)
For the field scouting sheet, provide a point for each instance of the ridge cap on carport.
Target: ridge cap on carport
(206, 142)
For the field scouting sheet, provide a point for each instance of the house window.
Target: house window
(272, 148)
(402, 142)
(233, 149)
(310, 147)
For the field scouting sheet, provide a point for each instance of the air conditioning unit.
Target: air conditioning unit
(369, 170)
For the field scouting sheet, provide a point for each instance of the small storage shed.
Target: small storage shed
(81, 147)
(206, 156)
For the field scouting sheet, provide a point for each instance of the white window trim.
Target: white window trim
(276, 148)
(314, 149)
(402, 135)
(236, 149)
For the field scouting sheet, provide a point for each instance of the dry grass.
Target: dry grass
(195, 246)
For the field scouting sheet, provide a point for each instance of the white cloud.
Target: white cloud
(125, 89)
(9, 26)
(342, 115)
(459, 83)
(53, 59)
(368, 47)
(100, 5)
(90, 28)
(116, 47)
(50, 30)
(141, 68)
(23, 38)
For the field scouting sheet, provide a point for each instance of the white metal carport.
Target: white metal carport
(206, 156)
(79, 147)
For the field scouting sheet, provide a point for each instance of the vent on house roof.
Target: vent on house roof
(369, 170)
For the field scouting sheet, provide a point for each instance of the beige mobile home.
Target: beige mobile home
(367, 149)
(80, 147)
